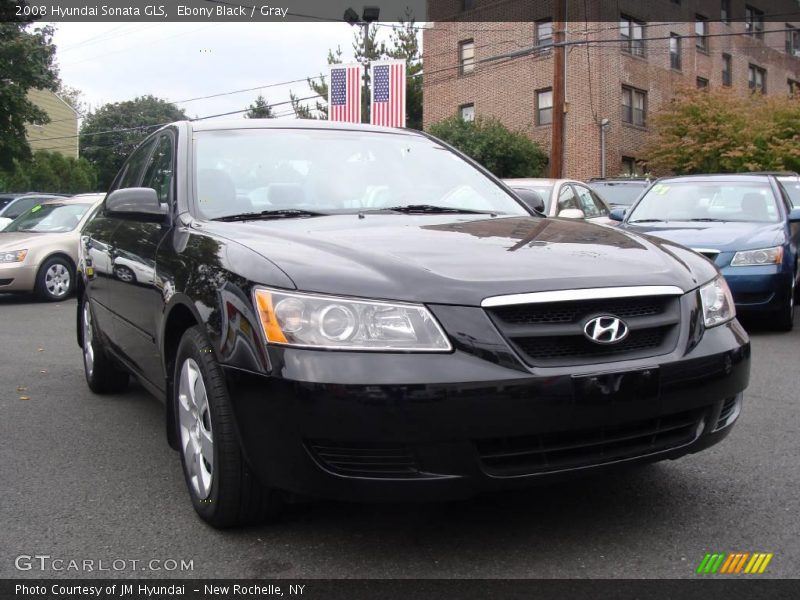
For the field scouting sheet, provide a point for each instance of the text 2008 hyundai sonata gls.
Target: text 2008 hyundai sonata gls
(362, 313)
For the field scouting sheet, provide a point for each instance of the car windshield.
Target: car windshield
(49, 218)
(707, 201)
(333, 171)
(615, 193)
(792, 187)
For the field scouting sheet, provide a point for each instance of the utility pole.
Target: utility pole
(559, 64)
(368, 15)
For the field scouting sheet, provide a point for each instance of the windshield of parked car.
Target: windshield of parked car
(792, 187)
(333, 171)
(707, 201)
(49, 218)
(616, 193)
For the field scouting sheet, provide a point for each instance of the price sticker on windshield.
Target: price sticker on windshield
(36, 208)
(660, 189)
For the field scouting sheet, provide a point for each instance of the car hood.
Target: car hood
(18, 240)
(726, 236)
(460, 260)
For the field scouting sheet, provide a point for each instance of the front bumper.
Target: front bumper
(17, 277)
(759, 289)
(385, 427)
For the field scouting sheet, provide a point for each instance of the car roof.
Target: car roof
(226, 124)
(638, 182)
(534, 181)
(752, 177)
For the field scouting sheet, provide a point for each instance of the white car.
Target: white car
(4, 221)
(565, 198)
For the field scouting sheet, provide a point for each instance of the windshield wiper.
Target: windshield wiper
(432, 209)
(648, 221)
(708, 220)
(281, 213)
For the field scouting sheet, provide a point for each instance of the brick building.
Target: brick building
(623, 60)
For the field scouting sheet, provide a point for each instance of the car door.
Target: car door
(134, 297)
(566, 200)
(97, 244)
(592, 206)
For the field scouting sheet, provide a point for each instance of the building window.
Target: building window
(792, 40)
(544, 106)
(702, 83)
(794, 86)
(754, 22)
(701, 33)
(466, 52)
(634, 106)
(467, 112)
(757, 78)
(726, 70)
(631, 167)
(725, 11)
(632, 34)
(544, 34)
(675, 51)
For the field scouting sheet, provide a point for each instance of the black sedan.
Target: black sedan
(363, 313)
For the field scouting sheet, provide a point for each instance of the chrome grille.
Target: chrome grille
(550, 334)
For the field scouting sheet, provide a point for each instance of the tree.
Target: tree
(503, 152)
(26, 62)
(72, 96)
(112, 132)
(720, 131)
(52, 172)
(403, 44)
(260, 109)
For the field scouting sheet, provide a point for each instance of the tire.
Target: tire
(55, 279)
(103, 376)
(783, 319)
(223, 489)
(125, 274)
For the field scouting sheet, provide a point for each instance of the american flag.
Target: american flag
(388, 93)
(344, 93)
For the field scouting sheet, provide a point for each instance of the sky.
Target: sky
(111, 62)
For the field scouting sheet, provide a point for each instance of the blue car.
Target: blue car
(744, 223)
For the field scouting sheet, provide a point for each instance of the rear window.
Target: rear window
(619, 193)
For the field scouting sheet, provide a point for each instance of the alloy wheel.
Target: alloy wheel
(57, 280)
(88, 340)
(197, 441)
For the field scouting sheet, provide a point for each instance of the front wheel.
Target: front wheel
(55, 279)
(783, 319)
(223, 489)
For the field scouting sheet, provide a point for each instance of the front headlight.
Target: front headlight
(717, 302)
(334, 323)
(12, 256)
(765, 256)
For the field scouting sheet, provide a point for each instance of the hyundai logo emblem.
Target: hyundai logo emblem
(605, 330)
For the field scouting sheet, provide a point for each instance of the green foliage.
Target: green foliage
(260, 109)
(26, 62)
(50, 172)
(720, 131)
(138, 117)
(505, 153)
(403, 44)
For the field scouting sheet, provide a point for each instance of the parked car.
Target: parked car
(621, 191)
(437, 341)
(39, 249)
(565, 198)
(20, 204)
(744, 223)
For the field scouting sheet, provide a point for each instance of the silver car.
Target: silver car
(565, 198)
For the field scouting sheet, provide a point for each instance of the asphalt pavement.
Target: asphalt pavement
(86, 477)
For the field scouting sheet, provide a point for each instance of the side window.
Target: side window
(158, 174)
(133, 169)
(567, 199)
(591, 206)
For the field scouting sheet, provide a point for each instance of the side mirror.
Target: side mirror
(572, 213)
(794, 215)
(136, 204)
(530, 198)
(617, 214)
